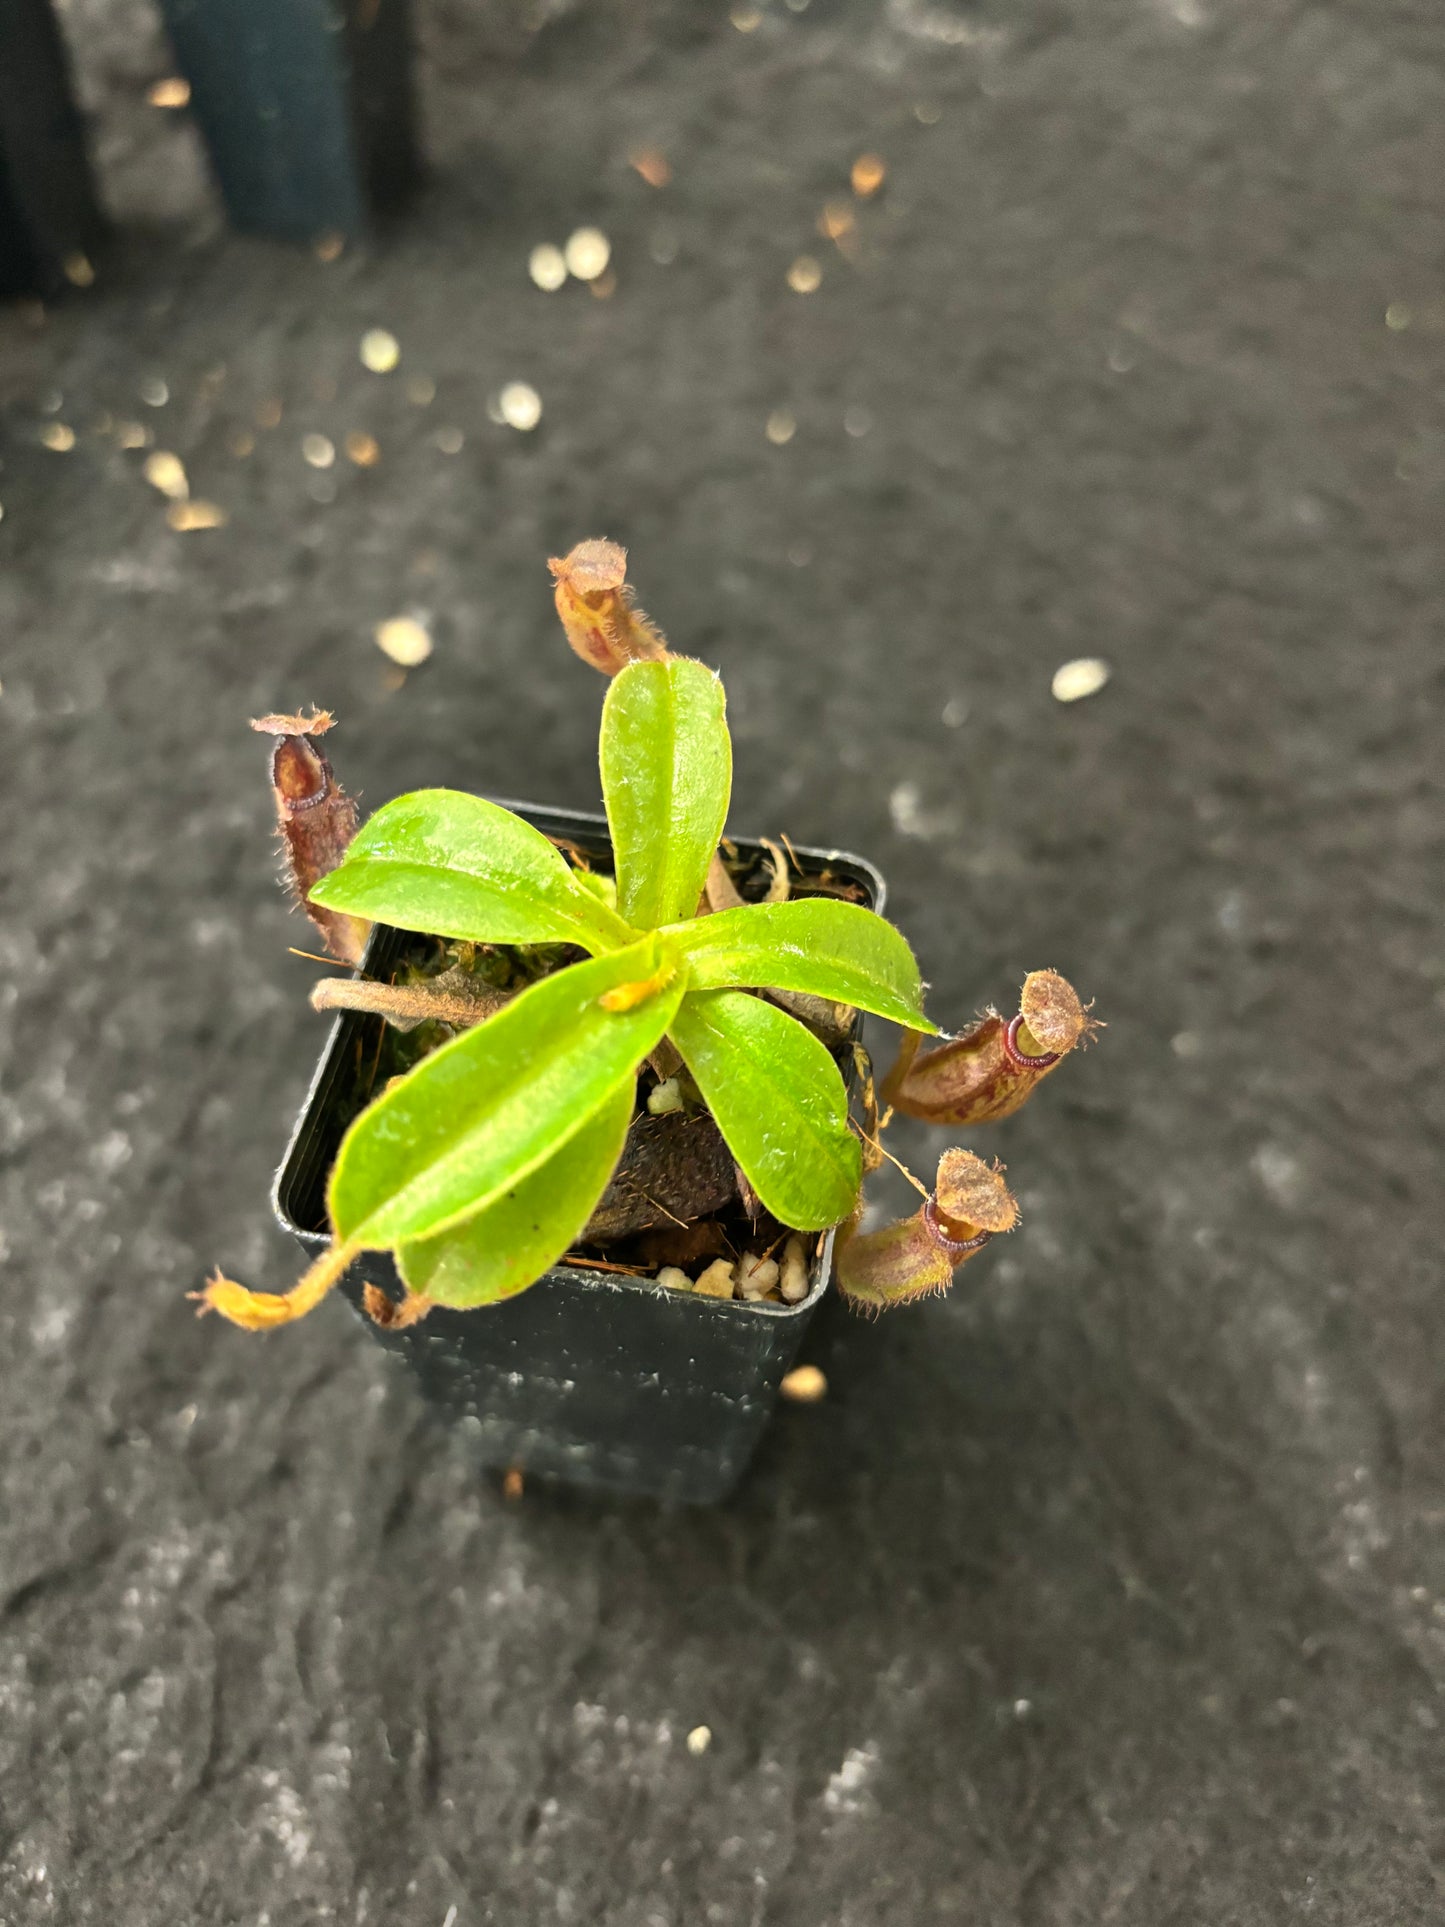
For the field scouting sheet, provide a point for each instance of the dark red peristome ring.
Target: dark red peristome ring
(1020, 1060)
(954, 1248)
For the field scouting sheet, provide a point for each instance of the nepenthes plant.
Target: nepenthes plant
(565, 1007)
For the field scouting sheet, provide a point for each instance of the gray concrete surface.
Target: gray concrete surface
(1110, 1589)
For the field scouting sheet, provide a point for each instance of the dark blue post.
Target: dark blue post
(50, 225)
(306, 107)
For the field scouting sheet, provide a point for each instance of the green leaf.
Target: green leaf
(456, 866)
(485, 1110)
(509, 1243)
(817, 944)
(779, 1100)
(667, 767)
(600, 885)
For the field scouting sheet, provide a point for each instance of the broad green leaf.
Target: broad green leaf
(667, 765)
(600, 885)
(818, 944)
(457, 866)
(509, 1243)
(478, 1115)
(779, 1100)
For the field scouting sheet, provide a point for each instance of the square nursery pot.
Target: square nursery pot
(587, 1377)
(306, 107)
(50, 223)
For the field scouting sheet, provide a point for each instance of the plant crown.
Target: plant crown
(482, 1165)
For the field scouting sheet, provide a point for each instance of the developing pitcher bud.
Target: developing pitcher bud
(992, 1069)
(596, 606)
(316, 820)
(969, 1204)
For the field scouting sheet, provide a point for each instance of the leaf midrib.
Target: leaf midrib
(586, 917)
(826, 1147)
(502, 1118)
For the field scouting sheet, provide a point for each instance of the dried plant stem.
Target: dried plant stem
(781, 885)
(407, 1005)
(872, 1130)
(601, 1264)
(721, 892)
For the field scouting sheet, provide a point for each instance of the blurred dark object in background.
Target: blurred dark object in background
(50, 224)
(307, 107)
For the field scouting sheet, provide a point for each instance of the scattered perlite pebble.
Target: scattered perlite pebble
(78, 270)
(716, 1281)
(665, 1097)
(131, 435)
(1085, 676)
(380, 351)
(781, 427)
(167, 473)
(403, 639)
(548, 267)
(362, 449)
(318, 450)
(699, 1740)
(652, 164)
(756, 1275)
(674, 1278)
(587, 253)
(519, 406)
(172, 92)
(450, 440)
(154, 392)
(805, 275)
(793, 1279)
(836, 221)
(513, 1483)
(185, 517)
(804, 1385)
(58, 435)
(867, 175)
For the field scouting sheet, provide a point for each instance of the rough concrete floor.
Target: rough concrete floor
(1110, 1589)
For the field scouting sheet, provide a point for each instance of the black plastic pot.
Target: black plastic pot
(49, 220)
(588, 1377)
(306, 107)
